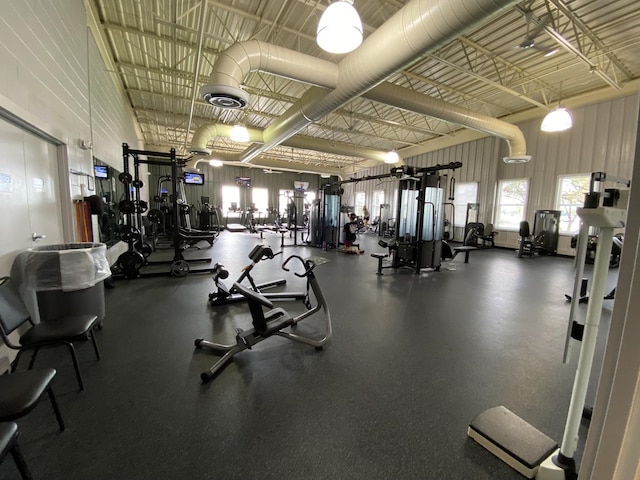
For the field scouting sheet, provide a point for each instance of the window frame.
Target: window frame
(561, 207)
(460, 220)
(499, 204)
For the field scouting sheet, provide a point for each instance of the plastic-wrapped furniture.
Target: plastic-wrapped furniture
(63, 280)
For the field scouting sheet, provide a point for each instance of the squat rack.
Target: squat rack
(130, 262)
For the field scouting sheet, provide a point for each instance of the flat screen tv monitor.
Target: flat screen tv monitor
(193, 178)
(101, 171)
(243, 181)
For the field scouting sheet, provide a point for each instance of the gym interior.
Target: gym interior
(221, 328)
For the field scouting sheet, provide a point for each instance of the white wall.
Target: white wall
(54, 82)
(54, 78)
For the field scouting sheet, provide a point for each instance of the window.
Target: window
(378, 199)
(360, 199)
(283, 201)
(464, 193)
(230, 196)
(260, 198)
(571, 190)
(511, 203)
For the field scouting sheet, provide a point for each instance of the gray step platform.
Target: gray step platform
(511, 439)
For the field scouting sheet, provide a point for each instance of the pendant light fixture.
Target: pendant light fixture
(392, 157)
(557, 120)
(339, 28)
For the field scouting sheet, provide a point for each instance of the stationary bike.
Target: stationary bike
(271, 322)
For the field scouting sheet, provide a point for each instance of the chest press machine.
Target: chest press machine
(271, 322)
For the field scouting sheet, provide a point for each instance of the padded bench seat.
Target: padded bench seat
(463, 249)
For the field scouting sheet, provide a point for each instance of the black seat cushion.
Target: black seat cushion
(66, 328)
(8, 432)
(20, 391)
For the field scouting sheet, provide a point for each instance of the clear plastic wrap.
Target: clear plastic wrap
(66, 267)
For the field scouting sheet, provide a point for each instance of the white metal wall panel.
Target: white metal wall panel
(111, 118)
(602, 139)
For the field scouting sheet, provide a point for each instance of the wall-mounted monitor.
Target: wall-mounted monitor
(243, 181)
(101, 171)
(300, 186)
(193, 178)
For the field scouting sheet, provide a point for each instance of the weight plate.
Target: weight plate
(179, 268)
(130, 263)
(145, 249)
(127, 232)
(127, 206)
(125, 177)
(138, 183)
(154, 215)
(142, 206)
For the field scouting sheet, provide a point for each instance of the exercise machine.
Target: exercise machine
(272, 322)
(546, 231)
(223, 295)
(507, 436)
(130, 263)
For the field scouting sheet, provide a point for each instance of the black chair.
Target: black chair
(526, 240)
(14, 314)
(9, 444)
(21, 391)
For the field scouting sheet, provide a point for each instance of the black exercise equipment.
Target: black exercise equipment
(272, 322)
(224, 295)
(130, 263)
(544, 239)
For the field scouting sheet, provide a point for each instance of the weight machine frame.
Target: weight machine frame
(131, 262)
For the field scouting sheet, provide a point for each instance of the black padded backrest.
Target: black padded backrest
(13, 313)
(252, 295)
(524, 229)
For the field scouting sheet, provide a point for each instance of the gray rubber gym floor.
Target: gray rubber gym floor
(413, 359)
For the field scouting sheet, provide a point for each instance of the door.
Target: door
(29, 193)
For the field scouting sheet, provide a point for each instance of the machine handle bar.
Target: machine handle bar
(308, 266)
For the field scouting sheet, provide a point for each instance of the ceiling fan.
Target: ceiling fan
(529, 41)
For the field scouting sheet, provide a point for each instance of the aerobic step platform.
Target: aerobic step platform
(511, 439)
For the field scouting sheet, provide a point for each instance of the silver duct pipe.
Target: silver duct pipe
(420, 26)
(412, 101)
(204, 134)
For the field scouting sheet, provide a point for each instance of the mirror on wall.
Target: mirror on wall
(109, 192)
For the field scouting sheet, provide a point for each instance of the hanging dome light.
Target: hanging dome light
(239, 133)
(557, 120)
(339, 28)
(392, 157)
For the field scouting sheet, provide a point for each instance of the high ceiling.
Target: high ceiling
(164, 50)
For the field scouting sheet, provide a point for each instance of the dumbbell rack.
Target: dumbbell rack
(130, 263)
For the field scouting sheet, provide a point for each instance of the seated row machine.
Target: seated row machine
(271, 322)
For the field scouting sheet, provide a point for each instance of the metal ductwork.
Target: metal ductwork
(419, 27)
(204, 134)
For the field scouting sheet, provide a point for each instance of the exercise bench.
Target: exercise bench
(380, 257)
(463, 249)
